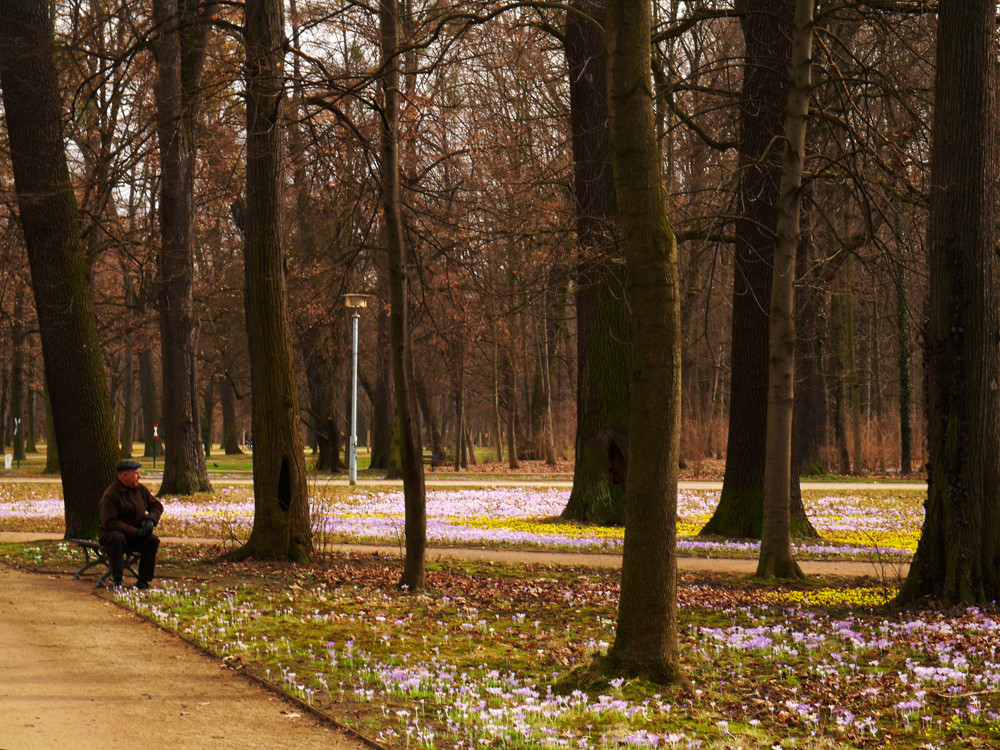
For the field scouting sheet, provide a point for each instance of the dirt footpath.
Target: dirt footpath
(77, 672)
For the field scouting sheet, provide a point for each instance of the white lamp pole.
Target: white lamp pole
(354, 303)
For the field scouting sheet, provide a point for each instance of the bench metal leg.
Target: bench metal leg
(94, 556)
(99, 557)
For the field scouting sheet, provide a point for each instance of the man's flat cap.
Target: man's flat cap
(127, 465)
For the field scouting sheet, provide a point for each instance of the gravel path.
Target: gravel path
(592, 559)
(78, 672)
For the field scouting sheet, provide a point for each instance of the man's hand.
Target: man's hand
(147, 527)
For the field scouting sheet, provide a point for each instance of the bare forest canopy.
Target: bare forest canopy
(489, 214)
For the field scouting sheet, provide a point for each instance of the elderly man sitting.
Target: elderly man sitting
(129, 512)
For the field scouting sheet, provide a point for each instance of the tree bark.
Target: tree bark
(438, 455)
(646, 638)
(281, 527)
(763, 100)
(853, 381)
(17, 376)
(411, 452)
(510, 397)
(602, 318)
(956, 558)
(231, 432)
(496, 425)
(839, 386)
(208, 418)
(776, 534)
(321, 362)
(128, 380)
(128, 405)
(51, 444)
(382, 406)
(903, 350)
(74, 372)
(458, 384)
(179, 48)
(30, 419)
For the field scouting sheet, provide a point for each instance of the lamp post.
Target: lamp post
(354, 303)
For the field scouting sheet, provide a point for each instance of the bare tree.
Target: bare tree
(603, 351)
(776, 536)
(179, 46)
(74, 371)
(646, 638)
(281, 501)
(407, 417)
(956, 558)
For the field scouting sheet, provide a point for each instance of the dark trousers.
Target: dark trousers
(117, 543)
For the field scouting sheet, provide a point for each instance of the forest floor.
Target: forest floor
(80, 672)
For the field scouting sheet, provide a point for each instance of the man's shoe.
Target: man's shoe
(142, 585)
(117, 583)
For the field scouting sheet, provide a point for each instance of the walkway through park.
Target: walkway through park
(78, 672)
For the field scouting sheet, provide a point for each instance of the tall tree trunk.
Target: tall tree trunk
(5, 432)
(495, 425)
(148, 398)
(179, 48)
(438, 455)
(281, 502)
(17, 376)
(458, 385)
(208, 417)
(51, 444)
(776, 534)
(321, 362)
(510, 397)
(840, 385)
(853, 381)
(903, 349)
(602, 319)
(550, 447)
(763, 101)
(231, 432)
(128, 405)
(877, 402)
(30, 419)
(646, 638)
(809, 415)
(956, 558)
(470, 453)
(811, 419)
(382, 406)
(71, 349)
(411, 453)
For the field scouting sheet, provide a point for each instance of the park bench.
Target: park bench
(96, 554)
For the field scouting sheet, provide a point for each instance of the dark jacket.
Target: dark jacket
(124, 508)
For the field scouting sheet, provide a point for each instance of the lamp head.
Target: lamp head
(356, 301)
